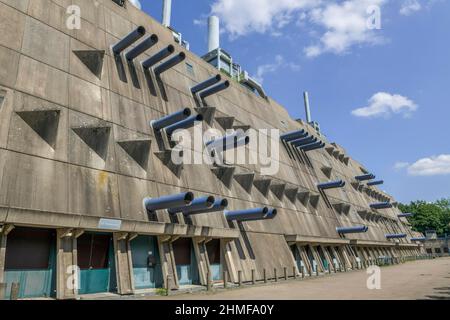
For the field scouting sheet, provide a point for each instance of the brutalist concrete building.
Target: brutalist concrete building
(91, 93)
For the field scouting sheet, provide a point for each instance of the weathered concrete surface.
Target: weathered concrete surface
(423, 279)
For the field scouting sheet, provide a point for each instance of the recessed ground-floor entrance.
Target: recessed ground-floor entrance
(147, 271)
(186, 264)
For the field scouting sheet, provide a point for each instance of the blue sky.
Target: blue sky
(383, 94)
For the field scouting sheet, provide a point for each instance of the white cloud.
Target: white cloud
(346, 25)
(136, 3)
(432, 166)
(279, 63)
(242, 17)
(401, 165)
(386, 104)
(409, 7)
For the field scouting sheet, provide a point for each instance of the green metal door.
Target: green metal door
(31, 262)
(147, 271)
(96, 263)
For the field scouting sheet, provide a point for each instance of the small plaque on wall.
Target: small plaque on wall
(109, 224)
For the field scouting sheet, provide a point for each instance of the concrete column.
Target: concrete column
(304, 258)
(201, 255)
(4, 230)
(337, 257)
(67, 263)
(316, 256)
(124, 262)
(227, 258)
(327, 255)
(168, 265)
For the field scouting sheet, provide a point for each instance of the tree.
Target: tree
(429, 216)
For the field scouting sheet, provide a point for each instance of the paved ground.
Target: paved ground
(423, 279)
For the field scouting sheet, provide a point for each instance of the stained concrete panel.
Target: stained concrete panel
(6, 107)
(35, 183)
(85, 97)
(21, 5)
(43, 81)
(46, 44)
(9, 62)
(12, 24)
(132, 193)
(129, 114)
(93, 192)
(3, 157)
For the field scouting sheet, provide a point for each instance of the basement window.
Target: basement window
(119, 2)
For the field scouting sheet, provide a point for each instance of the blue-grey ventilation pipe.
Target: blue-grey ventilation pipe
(419, 239)
(312, 146)
(183, 124)
(223, 140)
(375, 183)
(331, 185)
(301, 142)
(206, 84)
(251, 214)
(157, 57)
(142, 47)
(163, 67)
(294, 135)
(131, 38)
(365, 177)
(405, 215)
(201, 203)
(381, 205)
(170, 119)
(357, 229)
(170, 201)
(215, 89)
(243, 141)
(219, 205)
(396, 236)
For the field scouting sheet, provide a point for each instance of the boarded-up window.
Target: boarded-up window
(213, 248)
(28, 249)
(93, 251)
(182, 251)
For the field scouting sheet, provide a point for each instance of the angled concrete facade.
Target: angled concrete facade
(78, 156)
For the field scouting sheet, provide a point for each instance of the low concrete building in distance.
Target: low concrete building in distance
(91, 200)
(436, 245)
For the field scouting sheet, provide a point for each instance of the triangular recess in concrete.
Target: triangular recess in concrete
(44, 123)
(278, 189)
(291, 193)
(346, 208)
(166, 158)
(139, 150)
(245, 179)
(225, 122)
(224, 174)
(303, 196)
(314, 200)
(242, 127)
(338, 207)
(263, 185)
(336, 154)
(97, 138)
(207, 113)
(330, 150)
(92, 59)
(327, 171)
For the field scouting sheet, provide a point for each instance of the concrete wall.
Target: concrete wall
(63, 128)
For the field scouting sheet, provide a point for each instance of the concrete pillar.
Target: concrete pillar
(304, 258)
(4, 230)
(67, 263)
(168, 265)
(201, 255)
(227, 258)
(337, 257)
(345, 258)
(124, 262)
(327, 256)
(315, 253)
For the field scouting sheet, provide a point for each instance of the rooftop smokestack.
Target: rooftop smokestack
(307, 109)
(167, 12)
(213, 33)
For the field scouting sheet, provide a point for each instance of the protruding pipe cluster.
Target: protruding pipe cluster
(142, 47)
(219, 205)
(419, 239)
(294, 135)
(170, 119)
(206, 84)
(331, 185)
(183, 124)
(405, 215)
(163, 67)
(131, 38)
(201, 203)
(215, 89)
(159, 56)
(168, 202)
(365, 177)
(396, 236)
(234, 140)
(381, 205)
(251, 214)
(375, 183)
(357, 229)
(312, 146)
(304, 141)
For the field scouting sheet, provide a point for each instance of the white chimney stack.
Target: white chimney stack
(167, 12)
(213, 33)
(307, 109)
